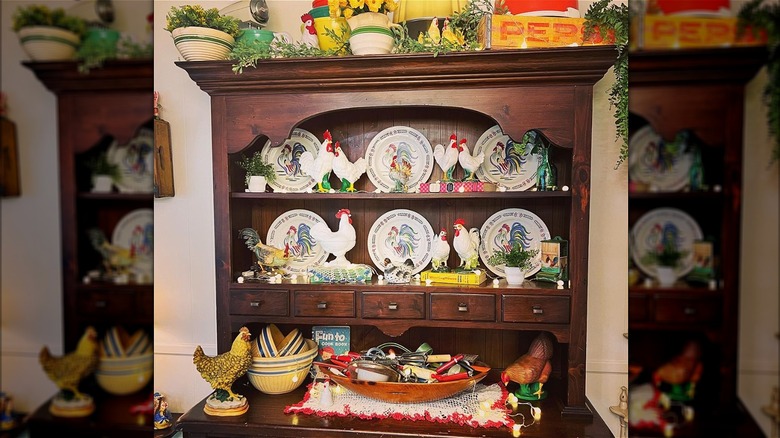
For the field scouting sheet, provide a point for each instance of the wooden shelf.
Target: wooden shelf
(266, 417)
(122, 197)
(400, 196)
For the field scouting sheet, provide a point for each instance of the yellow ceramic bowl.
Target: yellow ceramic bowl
(308, 352)
(292, 343)
(123, 382)
(267, 343)
(279, 381)
(126, 363)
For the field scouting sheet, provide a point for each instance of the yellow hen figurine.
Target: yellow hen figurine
(67, 371)
(221, 371)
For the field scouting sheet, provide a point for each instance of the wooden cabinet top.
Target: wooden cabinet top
(123, 75)
(408, 71)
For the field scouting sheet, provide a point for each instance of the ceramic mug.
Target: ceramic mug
(263, 36)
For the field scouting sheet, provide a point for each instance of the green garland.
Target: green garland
(603, 17)
(766, 17)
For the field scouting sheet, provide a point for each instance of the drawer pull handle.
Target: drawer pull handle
(322, 305)
(100, 303)
(255, 304)
(392, 306)
(538, 310)
(689, 310)
(463, 307)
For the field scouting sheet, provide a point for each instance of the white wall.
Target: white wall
(30, 268)
(758, 370)
(184, 242)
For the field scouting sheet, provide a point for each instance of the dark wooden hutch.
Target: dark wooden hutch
(109, 102)
(356, 97)
(701, 90)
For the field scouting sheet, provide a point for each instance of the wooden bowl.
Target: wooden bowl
(401, 392)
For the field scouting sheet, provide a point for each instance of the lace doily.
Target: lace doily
(483, 406)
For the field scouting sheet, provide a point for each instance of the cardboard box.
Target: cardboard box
(454, 277)
(521, 32)
(672, 32)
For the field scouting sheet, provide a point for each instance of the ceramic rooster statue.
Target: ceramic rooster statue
(320, 167)
(268, 257)
(308, 32)
(532, 369)
(116, 259)
(466, 242)
(347, 171)
(337, 242)
(67, 371)
(454, 36)
(447, 157)
(221, 371)
(440, 252)
(682, 372)
(432, 35)
(469, 163)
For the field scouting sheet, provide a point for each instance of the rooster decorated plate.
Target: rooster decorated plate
(135, 161)
(293, 228)
(504, 166)
(399, 235)
(289, 176)
(664, 166)
(506, 227)
(659, 227)
(405, 146)
(135, 231)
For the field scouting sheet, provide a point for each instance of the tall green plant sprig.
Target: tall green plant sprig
(759, 16)
(604, 17)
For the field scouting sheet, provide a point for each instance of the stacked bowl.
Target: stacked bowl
(280, 363)
(126, 362)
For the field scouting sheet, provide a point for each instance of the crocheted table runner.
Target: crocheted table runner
(482, 406)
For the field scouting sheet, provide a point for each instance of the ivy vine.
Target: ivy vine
(760, 16)
(604, 17)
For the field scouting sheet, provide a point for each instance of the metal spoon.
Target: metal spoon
(259, 11)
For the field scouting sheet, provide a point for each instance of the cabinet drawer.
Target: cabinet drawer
(463, 307)
(637, 308)
(260, 302)
(330, 303)
(692, 310)
(532, 308)
(107, 304)
(391, 305)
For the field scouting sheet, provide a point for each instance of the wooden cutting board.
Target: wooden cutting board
(163, 157)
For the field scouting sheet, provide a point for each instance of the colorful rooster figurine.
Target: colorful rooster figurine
(532, 369)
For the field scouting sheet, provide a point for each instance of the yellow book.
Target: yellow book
(454, 277)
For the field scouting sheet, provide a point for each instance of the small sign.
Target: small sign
(331, 340)
(703, 267)
(555, 260)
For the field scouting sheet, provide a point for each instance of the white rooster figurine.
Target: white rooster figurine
(308, 32)
(469, 163)
(347, 171)
(440, 252)
(337, 242)
(447, 157)
(320, 167)
(466, 243)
